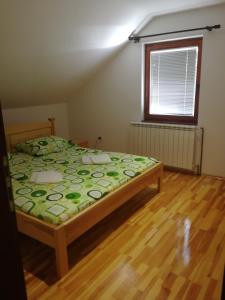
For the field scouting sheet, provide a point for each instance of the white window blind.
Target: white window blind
(173, 81)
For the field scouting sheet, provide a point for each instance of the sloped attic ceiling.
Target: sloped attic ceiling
(49, 48)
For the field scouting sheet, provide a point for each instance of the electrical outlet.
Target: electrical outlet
(98, 141)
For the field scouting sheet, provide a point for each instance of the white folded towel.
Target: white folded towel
(46, 177)
(97, 159)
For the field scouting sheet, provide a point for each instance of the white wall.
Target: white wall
(40, 113)
(113, 98)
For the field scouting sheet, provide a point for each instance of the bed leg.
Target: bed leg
(159, 183)
(61, 253)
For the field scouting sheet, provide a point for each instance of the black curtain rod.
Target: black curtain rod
(137, 38)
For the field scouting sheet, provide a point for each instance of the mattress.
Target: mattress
(82, 184)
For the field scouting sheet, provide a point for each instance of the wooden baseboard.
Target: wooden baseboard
(180, 170)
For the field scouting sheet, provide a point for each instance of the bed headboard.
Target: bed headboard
(18, 133)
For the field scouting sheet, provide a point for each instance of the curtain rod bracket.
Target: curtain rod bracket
(137, 38)
(210, 28)
(134, 38)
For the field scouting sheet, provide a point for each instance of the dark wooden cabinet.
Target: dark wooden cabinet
(12, 284)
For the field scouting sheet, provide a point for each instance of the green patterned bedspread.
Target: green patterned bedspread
(82, 185)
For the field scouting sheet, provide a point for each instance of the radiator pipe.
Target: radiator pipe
(201, 155)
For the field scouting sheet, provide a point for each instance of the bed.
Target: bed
(59, 235)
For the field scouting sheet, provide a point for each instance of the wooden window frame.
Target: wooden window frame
(189, 120)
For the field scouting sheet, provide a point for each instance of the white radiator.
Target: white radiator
(176, 146)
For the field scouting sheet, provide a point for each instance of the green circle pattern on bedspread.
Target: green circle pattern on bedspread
(82, 185)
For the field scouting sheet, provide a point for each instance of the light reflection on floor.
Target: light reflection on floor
(183, 235)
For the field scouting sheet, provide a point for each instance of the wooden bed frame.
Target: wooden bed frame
(60, 236)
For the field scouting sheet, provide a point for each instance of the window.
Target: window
(172, 81)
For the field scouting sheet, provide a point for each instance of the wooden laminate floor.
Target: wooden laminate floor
(165, 246)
